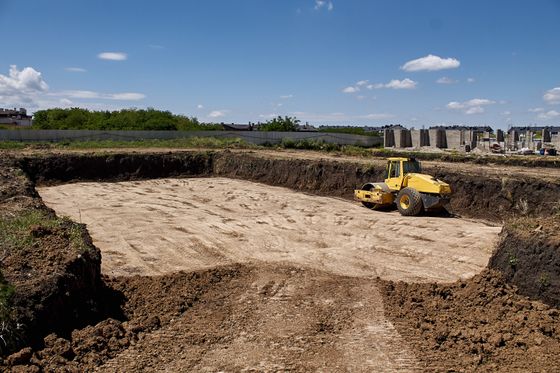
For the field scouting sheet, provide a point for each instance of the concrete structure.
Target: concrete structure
(15, 117)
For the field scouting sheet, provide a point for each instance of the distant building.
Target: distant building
(237, 127)
(554, 130)
(465, 128)
(15, 117)
(306, 128)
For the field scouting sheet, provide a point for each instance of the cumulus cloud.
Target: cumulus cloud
(285, 97)
(320, 4)
(549, 115)
(446, 80)
(401, 84)
(75, 69)
(113, 56)
(200, 106)
(351, 89)
(470, 80)
(217, 114)
(536, 110)
(431, 63)
(25, 81)
(395, 84)
(361, 83)
(474, 106)
(552, 96)
(21, 87)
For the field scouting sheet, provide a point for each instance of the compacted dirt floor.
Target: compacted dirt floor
(248, 277)
(162, 226)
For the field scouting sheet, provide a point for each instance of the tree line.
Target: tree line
(126, 119)
(139, 119)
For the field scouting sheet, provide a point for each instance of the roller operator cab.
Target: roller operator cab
(406, 186)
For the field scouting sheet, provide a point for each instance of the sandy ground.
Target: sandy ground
(161, 226)
(310, 303)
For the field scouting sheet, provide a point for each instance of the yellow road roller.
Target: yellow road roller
(406, 186)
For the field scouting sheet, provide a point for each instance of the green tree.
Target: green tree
(286, 124)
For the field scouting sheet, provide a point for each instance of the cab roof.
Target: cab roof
(400, 159)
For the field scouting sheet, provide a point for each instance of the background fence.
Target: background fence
(255, 137)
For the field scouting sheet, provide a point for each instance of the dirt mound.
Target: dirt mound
(264, 318)
(141, 305)
(527, 255)
(482, 324)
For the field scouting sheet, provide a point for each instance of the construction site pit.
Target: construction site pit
(211, 263)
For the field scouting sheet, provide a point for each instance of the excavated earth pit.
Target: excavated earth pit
(216, 274)
(162, 226)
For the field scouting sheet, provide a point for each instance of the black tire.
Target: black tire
(369, 205)
(409, 202)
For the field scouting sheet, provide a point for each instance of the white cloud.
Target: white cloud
(470, 80)
(125, 96)
(401, 84)
(27, 80)
(80, 94)
(217, 114)
(285, 97)
(474, 110)
(446, 80)
(113, 56)
(431, 63)
(21, 87)
(507, 112)
(361, 83)
(552, 96)
(536, 110)
(474, 106)
(319, 4)
(199, 106)
(65, 102)
(268, 116)
(549, 115)
(377, 116)
(351, 90)
(75, 69)
(395, 84)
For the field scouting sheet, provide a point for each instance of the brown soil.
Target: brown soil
(270, 317)
(476, 325)
(527, 256)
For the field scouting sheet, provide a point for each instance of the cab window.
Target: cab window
(395, 170)
(411, 167)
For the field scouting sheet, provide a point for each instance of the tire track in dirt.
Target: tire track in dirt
(277, 319)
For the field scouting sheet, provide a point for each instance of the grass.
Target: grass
(194, 142)
(16, 233)
(191, 142)
(12, 145)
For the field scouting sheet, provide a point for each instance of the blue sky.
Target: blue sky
(417, 63)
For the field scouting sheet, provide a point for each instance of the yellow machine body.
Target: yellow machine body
(407, 186)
